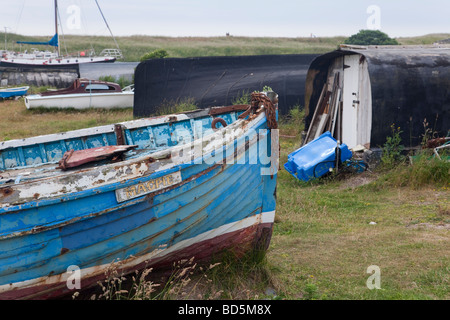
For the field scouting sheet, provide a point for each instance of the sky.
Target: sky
(262, 18)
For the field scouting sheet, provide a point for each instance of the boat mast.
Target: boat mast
(106, 22)
(56, 26)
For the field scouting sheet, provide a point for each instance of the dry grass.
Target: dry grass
(186, 280)
(423, 40)
(134, 47)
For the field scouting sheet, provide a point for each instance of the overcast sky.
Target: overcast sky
(281, 18)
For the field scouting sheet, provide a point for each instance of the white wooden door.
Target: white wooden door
(350, 100)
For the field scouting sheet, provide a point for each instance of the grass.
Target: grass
(324, 241)
(134, 47)
(324, 236)
(425, 172)
(122, 81)
(423, 40)
(170, 107)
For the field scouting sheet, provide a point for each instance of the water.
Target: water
(117, 69)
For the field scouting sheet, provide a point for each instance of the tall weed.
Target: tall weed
(243, 97)
(392, 149)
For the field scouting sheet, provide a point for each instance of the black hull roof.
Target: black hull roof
(213, 81)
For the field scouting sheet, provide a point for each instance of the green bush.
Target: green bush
(371, 37)
(157, 54)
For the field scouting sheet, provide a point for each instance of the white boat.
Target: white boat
(54, 60)
(84, 94)
(48, 61)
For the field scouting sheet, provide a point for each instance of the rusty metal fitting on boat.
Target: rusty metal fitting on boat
(214, 123)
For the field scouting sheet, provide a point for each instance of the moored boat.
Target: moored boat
(49, 64)
(46, 60)
(148, 192)
(83, 94)
(13, 92)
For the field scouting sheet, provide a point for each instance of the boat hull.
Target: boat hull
(123, 99)
(13, 92)
(142, 212)
(55, 63)
(246, 235)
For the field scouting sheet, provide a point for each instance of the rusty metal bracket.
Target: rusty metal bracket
(120, 136)
(227, 109)
(214, 123)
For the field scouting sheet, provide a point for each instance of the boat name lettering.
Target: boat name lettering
(146, 187)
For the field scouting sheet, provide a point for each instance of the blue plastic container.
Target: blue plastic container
(316, 158)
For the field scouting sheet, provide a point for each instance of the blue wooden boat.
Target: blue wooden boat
(148, 192)
(13, 92)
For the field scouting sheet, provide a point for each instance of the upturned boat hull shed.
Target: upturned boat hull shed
(379, 87)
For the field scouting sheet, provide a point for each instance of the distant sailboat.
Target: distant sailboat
(54, 60)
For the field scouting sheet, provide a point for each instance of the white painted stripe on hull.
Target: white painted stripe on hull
(264, 217)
